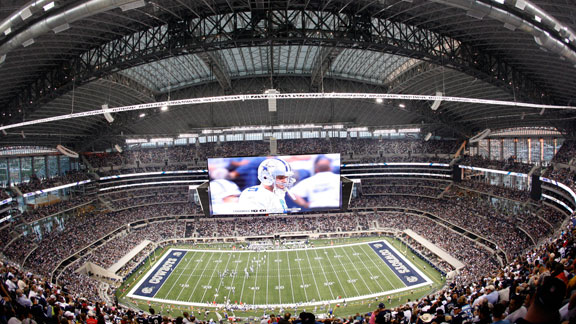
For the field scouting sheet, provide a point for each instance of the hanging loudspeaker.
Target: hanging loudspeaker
(272, 100)
(66, 151)
(480, 136)
(437, 102)
(107, 115)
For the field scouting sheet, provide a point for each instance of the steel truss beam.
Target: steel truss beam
(216, 64)
(322, 65)
(275, 28)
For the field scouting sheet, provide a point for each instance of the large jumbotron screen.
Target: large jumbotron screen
(274, 184)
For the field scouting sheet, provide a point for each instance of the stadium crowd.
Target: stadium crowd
(534, 287)
(405, 189)
(479, 261)
(357, 149)
(113, 250)
(147, 200)
(31, 215)
(566, 152)
(468, 213)
(37, 183)
(509, 164)
(471, 296)
(5, 193)
(500, 191)
(82, 230)
(509, 233)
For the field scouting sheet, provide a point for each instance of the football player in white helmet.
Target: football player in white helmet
(276, 178)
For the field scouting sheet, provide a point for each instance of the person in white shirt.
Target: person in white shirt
(223, 193)
(276, 178)
(11, 284)
(322, 190)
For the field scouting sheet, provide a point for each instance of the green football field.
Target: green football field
(284, 277)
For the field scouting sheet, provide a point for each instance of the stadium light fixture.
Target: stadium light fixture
(28, 42)
(133, 5)
(164, 108)
(49, 6)
(142, 115)
(247, 128)
(61, 28)
(185, 135)
(358, 129)
(379, 100)
(402, 105)
(136, 140)
(384, 131)
(26, 13)
(409, 130)
(161, 139)
(296, 126)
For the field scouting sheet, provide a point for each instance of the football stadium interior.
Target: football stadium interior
(276, 162)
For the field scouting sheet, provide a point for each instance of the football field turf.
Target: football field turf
(313, 276)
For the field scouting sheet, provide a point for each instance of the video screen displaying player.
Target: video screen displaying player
(274, 184)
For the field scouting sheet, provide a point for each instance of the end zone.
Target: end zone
(148, 286)
(402, 268)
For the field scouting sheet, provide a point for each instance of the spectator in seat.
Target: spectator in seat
(545, 302)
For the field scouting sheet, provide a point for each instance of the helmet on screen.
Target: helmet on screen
(269, 171)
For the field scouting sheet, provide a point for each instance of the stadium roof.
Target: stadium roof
(64, 56)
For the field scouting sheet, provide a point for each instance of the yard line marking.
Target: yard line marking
(180, 275)
(211, 276)
(279, 282)
(368, 268)
(200, 276)
(337, 277)
(267, 273)
(234, 278)
(255, 282)
(222, 279)
(326, 283)
(358, 272)
(313, 277)
(244, 281)
(290, 272)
